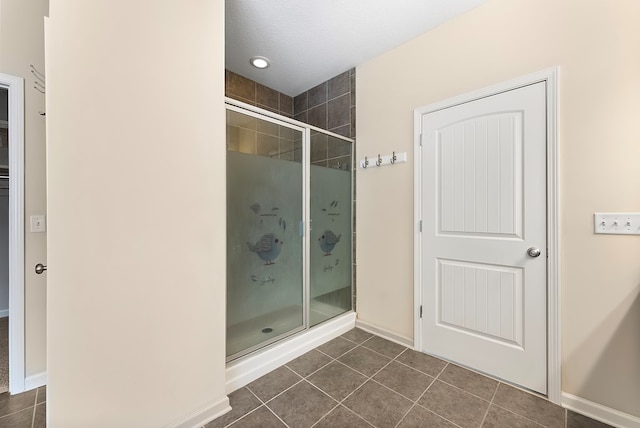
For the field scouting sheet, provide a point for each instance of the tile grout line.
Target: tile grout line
(465, 391)
(35, 404)
(416, 403)
(484, 418)
(303, 379)
(262, 404)
(330, 410)
(335, 360)
(371, 378)
(274, 414)
(429, 410)
(250, 411)
(418, 370)
(425, 391)
(518, 414)
(315, 371)
(396, 392)
(405, 415)
(386, 356)
(265, 403)
(17, 411)
(357, 415)
(283, 391)
(495, 393)
(368, 378)
(438, 415)
(437, 378)
(442, 371)
(413, 405)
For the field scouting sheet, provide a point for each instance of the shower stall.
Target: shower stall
(289, 227)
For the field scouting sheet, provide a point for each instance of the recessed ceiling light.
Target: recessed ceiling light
(259, 62)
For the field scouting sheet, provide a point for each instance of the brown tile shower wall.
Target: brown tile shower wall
(331, 105)
(246, 90)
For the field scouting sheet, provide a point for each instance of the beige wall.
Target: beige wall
(21, 44)
(135, 130)
(596, 46)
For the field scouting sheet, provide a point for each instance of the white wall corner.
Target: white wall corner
(385, 334)
(203, 416)
(599, 412)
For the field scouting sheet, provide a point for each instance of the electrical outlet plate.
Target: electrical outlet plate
(617, 223)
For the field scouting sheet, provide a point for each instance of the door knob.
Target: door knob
(40, 268)
(533, 252)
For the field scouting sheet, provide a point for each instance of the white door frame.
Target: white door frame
(15, 86)
(549, 76)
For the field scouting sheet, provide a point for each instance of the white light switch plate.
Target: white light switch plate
(38, 223)
(617, 223)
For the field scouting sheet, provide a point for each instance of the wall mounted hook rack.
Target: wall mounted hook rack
(382, 160)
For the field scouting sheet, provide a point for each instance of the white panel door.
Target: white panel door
(483, 206)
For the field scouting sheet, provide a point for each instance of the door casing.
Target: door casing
(15, 86)
(549, 76)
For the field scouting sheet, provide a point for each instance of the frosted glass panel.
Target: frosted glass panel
(331, 250)
(264, 244)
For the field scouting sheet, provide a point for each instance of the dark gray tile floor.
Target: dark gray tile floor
(362, 380)
(26, 410)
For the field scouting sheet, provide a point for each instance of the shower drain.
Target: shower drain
(267, 330)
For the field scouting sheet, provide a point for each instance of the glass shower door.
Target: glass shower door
(331, 214)
(265, 275)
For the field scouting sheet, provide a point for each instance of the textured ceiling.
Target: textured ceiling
(310, 41)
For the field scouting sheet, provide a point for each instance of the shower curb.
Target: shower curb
(247, 369)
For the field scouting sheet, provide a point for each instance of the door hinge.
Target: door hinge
(420, 311)
(421, 140)
(420, 225)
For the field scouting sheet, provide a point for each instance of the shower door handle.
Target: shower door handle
(40, 268)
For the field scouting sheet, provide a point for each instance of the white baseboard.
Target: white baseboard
(203, 416)
(35, 381)
(386, 334)
(4, 313)
(599, 412)
(246, 370)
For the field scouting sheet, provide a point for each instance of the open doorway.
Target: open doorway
(4, 240)
(12, 241)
